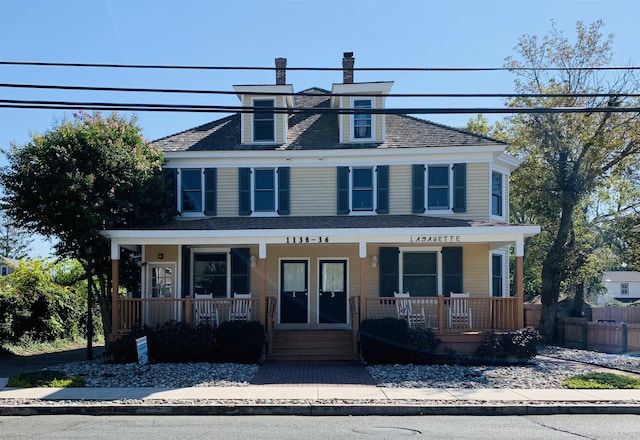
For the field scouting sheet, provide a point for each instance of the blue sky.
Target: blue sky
(381, 33)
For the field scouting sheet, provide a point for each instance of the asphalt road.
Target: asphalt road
(554, 427)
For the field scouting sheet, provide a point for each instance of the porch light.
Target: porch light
(374, 261)
(253, 261)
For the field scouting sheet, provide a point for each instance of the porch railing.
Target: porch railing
(136, 312)
(452, 315)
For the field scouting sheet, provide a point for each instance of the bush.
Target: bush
(384, 341)
(241, 341)
(520, 345)
(170, 342)
(422, 345)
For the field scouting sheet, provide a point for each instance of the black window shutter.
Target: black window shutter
(417, 187)
(283, 191)
(240, 267)
(186, 271)
(389, 263)
(244, 183)
(343, 190)
(460, 187)
(451, 270)
(383, 189)
(210, 190)
(171, 182)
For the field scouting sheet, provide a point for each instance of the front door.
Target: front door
(332, 295)
(294, 292)
(162, 305)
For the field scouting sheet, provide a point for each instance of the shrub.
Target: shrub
(170, 342)
(241, 341)
(422, 345)
(520, 345)
(384, 341)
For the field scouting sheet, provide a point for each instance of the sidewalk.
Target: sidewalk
(306, 388)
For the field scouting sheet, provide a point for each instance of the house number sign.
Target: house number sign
(307, 240)
(435, 239)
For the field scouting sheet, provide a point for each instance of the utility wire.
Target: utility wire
(362, 69)
(66, 105)
(317, 94)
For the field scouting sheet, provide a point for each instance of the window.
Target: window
(497, 287)
(362, 189)
(210, 274)
(191, 189)
(420, 273)
(161, 281)
(496, 194)
(263, 120)
(5, 270)
(264, 190)
(197, 189)
(362, 122)
(438, 193)
(624, 288)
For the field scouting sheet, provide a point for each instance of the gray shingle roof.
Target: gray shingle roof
(317, 222)
(313, 131)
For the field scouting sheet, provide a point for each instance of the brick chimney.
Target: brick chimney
(281, 71)
(347, 67)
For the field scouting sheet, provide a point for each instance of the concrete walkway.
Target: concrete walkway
(305, 388)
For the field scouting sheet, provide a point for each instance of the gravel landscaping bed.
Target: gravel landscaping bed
(539, 373)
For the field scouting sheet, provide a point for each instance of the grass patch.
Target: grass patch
(28, 348)
(45, 379)
(606, 381)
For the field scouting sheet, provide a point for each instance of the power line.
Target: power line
(317, 94)
(328, 69)
(68, 105)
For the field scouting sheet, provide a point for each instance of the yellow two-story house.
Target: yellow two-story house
(323, 208)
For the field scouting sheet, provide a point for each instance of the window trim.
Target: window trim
(449, 208)
(180, 192)
(372, 119)
(439, 274)
(502, 195)
(503, 274)
(254, 120)
(373, 190)
(254, 172)
(622, 289)
(192, 260)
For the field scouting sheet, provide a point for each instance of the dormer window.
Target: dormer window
(264, 127)
(362, 122)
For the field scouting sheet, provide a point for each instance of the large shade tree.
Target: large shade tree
(567, 157)
(84, 175)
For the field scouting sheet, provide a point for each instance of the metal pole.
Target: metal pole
(89, 307)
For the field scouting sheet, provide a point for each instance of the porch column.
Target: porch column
(362, 251)
(262, 271)
(115, 285)
(519, 282)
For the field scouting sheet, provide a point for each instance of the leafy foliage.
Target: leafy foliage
(520, 345)
(170, 342)
(391, 341)
(41, 301)
(83, 176)
(241, 341)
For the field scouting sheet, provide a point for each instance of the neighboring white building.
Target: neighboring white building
(7, 266)
(623, 286)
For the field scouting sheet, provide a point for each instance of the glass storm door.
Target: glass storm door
(294, 292)
(332, 301)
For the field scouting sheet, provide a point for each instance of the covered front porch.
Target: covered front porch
(314, 267)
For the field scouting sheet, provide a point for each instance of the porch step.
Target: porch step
(318, 345)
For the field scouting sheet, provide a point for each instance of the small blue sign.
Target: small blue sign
(143, 353)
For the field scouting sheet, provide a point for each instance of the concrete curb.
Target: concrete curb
(320, 410)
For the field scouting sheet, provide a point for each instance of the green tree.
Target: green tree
(567, 156)
(80, 177)
(14, 242)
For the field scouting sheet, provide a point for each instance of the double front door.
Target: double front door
(331, 293)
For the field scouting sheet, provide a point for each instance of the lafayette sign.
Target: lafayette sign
(435, 239)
